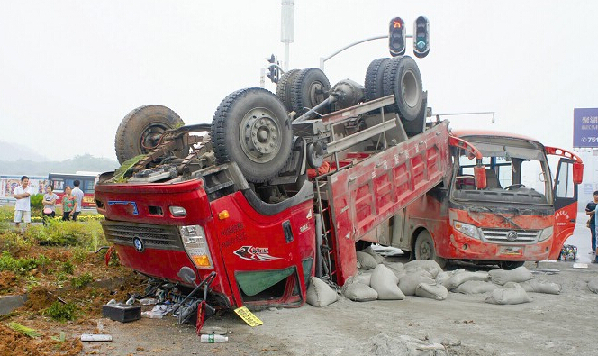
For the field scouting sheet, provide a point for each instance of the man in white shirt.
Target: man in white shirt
(78, 194)
(23, 194)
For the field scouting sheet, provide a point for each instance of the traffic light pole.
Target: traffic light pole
(322, 60)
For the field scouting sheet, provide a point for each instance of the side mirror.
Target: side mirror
(577, 172)
(480, 176)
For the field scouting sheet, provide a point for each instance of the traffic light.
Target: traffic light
(273, 72)
(396, 37)
(421, 37)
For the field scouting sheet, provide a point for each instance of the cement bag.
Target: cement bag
(444, 276)
(365, 260)
(517, 275)
(459, 278)
(358, 292)
(396, 267)
(320, 294)
(429, 265)
(509, 296)
(433, 291)
(409, 282)
(370, 251)
(385, 283)
(475, 287)
(538, 286)
(363, 278)
(593, 285)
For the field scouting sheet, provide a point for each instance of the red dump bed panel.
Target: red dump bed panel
(376, 188)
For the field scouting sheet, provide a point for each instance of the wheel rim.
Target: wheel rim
(260, 135)
(150, 137)
(316, 93)
(425, 250)
(410, 89)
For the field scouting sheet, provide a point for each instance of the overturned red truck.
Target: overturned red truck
(280, 188)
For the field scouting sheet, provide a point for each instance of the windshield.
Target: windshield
(516, 172)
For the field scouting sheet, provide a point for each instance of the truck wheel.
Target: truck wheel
(424, 249)
(510, 264)
(284, 88)
(252, 128)
(141, 129)
(374, 79)
(310, 88)
(403, 79)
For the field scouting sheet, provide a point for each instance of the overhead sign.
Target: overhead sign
(585, 128)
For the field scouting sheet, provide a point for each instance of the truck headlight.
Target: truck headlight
(467, 229)
(195, 244)
(545, 234)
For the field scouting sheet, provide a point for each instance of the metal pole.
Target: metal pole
(262, 77)
(286, 56)
(322, 60)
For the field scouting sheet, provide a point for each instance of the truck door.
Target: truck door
(565, 206)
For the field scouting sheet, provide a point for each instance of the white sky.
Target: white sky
(71, 70)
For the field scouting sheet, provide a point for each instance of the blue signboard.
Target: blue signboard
(585, 127)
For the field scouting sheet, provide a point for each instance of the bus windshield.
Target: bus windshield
(516, 172)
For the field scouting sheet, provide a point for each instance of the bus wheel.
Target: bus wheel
(425, 250)
(510, 264)
(140, 131)
(251, 127)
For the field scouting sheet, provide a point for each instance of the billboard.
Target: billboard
(585, 128)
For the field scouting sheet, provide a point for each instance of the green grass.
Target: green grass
(21, 265)
(81, 281)
(61, 312)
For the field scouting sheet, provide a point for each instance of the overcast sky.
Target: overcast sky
(71, 70)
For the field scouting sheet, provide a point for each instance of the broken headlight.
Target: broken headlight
(545, 234)
(467, 229)
(195, 244)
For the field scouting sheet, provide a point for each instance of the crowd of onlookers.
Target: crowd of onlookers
(71, 202)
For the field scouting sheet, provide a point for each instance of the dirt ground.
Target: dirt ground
(465, 325)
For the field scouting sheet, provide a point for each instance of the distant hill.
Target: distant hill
(14, 152)
(31, 167)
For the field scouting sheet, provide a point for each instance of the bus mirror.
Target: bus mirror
(480, 177)
(577, 172)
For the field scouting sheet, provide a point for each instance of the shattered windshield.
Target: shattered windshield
(516, 171)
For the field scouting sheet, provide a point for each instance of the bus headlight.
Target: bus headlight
(195, 244)
(467, 229)
(545, 234)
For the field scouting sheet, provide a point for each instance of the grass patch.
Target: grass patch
(21, 265)
(62, 312)
(81, 281)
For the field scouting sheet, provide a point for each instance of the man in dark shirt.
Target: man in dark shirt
(590, 208)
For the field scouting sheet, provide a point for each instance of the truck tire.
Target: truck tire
(403, 79)
(310, 88)
(510, 264)
(141, 129)
(251, 127)
(284, 88)
(424, 249)
(374, 79)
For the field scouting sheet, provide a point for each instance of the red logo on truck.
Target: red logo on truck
(251, 253)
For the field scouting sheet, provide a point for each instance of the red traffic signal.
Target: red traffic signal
(396, 37)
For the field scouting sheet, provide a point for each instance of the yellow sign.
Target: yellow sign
(248, 316)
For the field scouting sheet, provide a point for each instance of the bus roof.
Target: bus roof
(467, 133)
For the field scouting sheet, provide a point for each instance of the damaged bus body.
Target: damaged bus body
(234, 213)
(520, 216)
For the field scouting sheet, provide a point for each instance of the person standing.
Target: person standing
(78, 194)
(590, 209)
(69, 204)
(23, 194)
(49, 203)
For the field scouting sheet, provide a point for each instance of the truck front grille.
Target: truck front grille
(161, 237)
(507, 236)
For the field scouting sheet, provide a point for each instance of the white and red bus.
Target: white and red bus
(87, 184)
